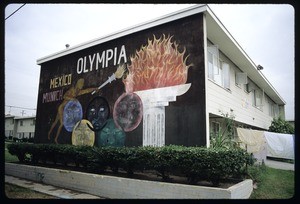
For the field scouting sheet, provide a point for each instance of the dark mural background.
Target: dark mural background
(68, 88)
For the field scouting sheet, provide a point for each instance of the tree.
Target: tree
(279, 125)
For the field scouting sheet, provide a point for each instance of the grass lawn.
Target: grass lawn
(274, 184)
(8, 156)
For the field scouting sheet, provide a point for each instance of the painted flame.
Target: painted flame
(158, 64)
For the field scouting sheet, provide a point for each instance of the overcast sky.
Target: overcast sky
(265, 32)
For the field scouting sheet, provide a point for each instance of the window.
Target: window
(21, 122)
(215, 128)
(31, 135)
(213, 61)
(276, 110)
(218, 71)
(226, 75)
(271, 108)
(246, 88)
(249, 87)
(33, 122)
(257, 99)
(241, 78)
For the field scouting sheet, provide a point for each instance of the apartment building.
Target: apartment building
(235, 84)
(19, 127)
(9, 126)
(168, 81)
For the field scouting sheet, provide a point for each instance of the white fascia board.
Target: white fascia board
(24, 117)
(148, 24)
(254, 74)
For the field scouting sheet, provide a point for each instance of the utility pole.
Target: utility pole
(22, 112)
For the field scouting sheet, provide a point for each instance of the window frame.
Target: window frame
(216, 67)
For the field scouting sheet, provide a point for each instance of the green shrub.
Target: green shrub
(20, 150)
(196, 163)
(279, 125)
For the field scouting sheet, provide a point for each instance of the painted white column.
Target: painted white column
(153, 126)
(154, 102)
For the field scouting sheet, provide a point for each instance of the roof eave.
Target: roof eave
(24, 117)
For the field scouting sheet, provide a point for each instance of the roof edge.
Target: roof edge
(142, 26)
(23, 117)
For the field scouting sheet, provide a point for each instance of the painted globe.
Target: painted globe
(128, 111)
(72, 114)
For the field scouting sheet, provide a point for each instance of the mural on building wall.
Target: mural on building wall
(158, 64)
(97, 113)
(82, 134)
(110, 135)
(154, 67)
(128, 111)
(157, 74)
(72, 113)
(128, 91)
(69, 111)
(117, 75)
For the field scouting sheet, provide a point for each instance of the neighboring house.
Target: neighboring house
(221, 79)
(9, 126)
(19, 127)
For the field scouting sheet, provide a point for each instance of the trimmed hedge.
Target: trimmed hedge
(195, 163)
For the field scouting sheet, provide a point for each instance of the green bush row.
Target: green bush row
(195, 163)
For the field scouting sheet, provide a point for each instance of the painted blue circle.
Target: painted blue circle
(72, 114)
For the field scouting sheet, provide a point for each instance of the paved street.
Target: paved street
(280, 165)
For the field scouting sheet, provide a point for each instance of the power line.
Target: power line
(14, 12)
(20, 107)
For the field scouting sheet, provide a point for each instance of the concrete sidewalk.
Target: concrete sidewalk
(48, 189)
(279, 165)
